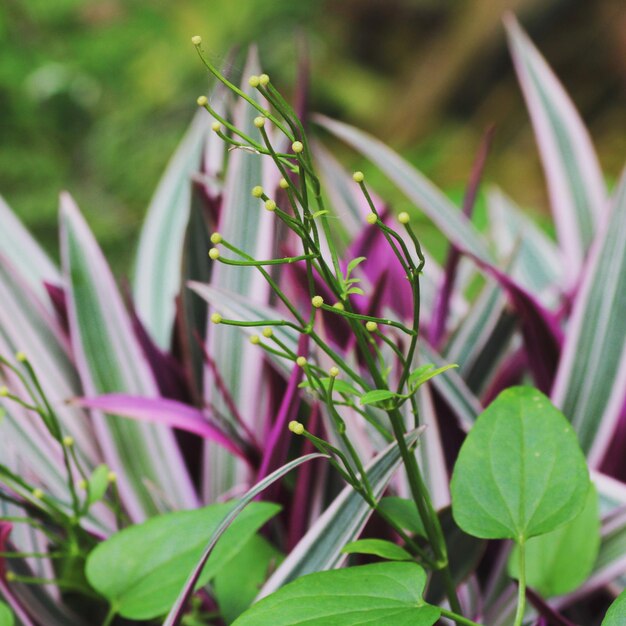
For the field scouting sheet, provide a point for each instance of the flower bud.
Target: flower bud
(334, 372)
(358, 177)
(268, 332)
(202, 101)
(371, 326)
(257, 191)
(317, 301)
(216, 238)
(259, 121)
(371, 218)
(20, 356)
(403, 217)
(264, 79)
(253, 81)
(37, 494)
(296, 427)
(82, 485)
(255, 340)
(112, 477)
(270, 205)
(196, 40)
(339, 306)
(216, 318)
(216, 127)
(300, 361)
(68, 441)
(4, 392)
(214, 253)
(297, 147)
(283, 183)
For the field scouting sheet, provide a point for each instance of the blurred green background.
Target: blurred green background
(95, 94)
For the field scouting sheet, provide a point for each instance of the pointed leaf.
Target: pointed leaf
(377, 395)
(378, 547)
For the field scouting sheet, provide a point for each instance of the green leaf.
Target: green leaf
(6, 615)
(239, 581)
(616, 612)
(425, 373)
(520, 472)
(98, 483)
(404, 513)
(378, 547)
(382, 593)
(377, 395)
(141, 569)
(354, 263)
(355, 290)
(320, 213)
(560, 561)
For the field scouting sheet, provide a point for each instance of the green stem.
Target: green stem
(110, 616)
(459, 619)
(521, 589)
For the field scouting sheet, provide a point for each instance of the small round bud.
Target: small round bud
(371, 326)
(10, 576)
(112, 477)
(259, 121)
(202, 101)
(403, 217)
(253, 81)
(82, 484)
(37, 494)
(216, 318)
(297, 147)
(270, 205)
(4, 392)
(268, 332)
(257, 191)
(317, 301)
(214, 253)
(264, 79)
(255, 340)
(68, 441)
(216, 127)
(296, 427)
(196, 40)
(216, 238)
(283, 183)
(334, 372)
(20, 356)
(339, 306)
(300, 361)
(358, 177)
(371, 218)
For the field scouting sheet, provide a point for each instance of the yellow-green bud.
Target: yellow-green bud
(300, 361)
(253, 81)
(10, 576)
(82, 484)
(358, 177)
(202, 101)
(334, 372)
(296, 427)
(403, 217)
(216, 318)
(216, 127)
(371, 326)
(259, 121)
(68, 441)
(297, 147)
(20, 356)
(339, 306)
(264, 79)
(283, 183)
(270, 205)
(257, 191)
(268, 332)
(317, 301)
(37, 494)
(371, 218)
(214, 253)
(112, 477)
(216, 238)
(4, 392)
(255, 340)
(196, 40)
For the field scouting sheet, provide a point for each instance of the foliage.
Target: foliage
(318, 314)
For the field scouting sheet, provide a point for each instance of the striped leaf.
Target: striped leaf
(590, 386)
(577, 192)
(321, 548)
(152, 473)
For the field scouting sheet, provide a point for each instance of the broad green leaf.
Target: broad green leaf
(382, 593)
(577, 192)
(591, 377)
(559, 561)
(341, 522)
(425, 373)
(403, 512)
(377, 395)
(6, 615)
(98, 483)
(145, 456)
(141, 569)
(378, 547)
(520, 472)
(617, 611)
(239, 581)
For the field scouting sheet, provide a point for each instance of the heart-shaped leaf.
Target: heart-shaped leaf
(378, 547)
(6, 616)
(560, 561)
(616, 612)
(382, 593)
(520, 472)
(404, 513)
(141, 569)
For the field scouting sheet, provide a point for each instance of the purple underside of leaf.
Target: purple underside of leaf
(59, 302)
(161, 411)
(542, 335)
